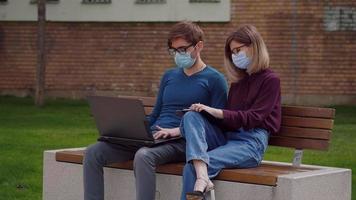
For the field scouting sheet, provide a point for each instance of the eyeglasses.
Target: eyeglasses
(237, 49)
(172, 51)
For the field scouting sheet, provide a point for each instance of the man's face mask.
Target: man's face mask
(184, 60)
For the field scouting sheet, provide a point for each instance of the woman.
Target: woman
(239, 136)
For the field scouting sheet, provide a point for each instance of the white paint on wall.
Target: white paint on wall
(340, 18)
(119, 11)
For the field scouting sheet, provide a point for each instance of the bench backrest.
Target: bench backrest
(302, 127)
(305, 128)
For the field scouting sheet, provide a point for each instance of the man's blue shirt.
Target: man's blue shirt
(178, 91)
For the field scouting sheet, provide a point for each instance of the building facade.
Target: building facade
(312, 46)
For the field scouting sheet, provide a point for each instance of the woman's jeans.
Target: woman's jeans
(206, 142)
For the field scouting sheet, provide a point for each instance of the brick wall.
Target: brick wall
(314, 57)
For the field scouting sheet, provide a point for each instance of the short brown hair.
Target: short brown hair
(186, 30)
(249, 36)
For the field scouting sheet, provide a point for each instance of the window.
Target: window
(96, 2)
(340, 19)
(204, 1)
(150, 2)
(47, 1)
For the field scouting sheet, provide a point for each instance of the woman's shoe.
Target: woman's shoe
(206, 185)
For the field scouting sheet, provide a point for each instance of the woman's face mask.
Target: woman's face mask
(241, 60)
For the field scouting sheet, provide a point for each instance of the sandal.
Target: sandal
(207, 186)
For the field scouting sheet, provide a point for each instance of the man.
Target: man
(191, 81)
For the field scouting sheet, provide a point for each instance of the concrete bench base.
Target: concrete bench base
(64, 181)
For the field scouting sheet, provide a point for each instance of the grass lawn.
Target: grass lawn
(26, 131)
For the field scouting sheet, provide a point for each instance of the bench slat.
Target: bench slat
(70, 156)
(302, 111)
(299, 143)
(292, 121)
(311, 133)
(307, 122)
(265, 174)
(148, 110)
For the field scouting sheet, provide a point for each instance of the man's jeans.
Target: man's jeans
(206, 142)
(145, 161)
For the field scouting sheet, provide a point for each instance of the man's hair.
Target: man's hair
(186, 30)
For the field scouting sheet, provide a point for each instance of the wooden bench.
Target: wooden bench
(302, 128)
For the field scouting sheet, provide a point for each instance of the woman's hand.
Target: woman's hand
(198, 107)
(166, 132)
(217, 113)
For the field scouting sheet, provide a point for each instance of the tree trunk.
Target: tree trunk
(41, 57)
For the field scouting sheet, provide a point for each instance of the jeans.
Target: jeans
(145, 161)
(206, 142)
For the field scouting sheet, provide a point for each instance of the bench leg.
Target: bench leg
(211, 195)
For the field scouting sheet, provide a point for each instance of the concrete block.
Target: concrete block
(324, 184)
(64, 181)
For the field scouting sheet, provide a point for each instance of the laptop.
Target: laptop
(122, 121)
